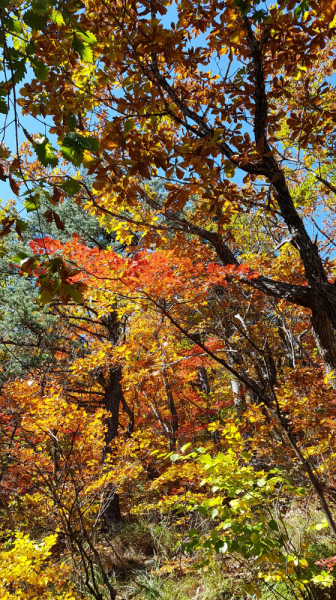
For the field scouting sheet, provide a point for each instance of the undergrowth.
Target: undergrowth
(147, 564)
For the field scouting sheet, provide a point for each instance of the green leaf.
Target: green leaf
(31, 48)
(301, 9)
(3, 107)
(45, 297)
(217, 134)
(32, 203)
(57, 17)
(234, 547)
(71, 187)
(3, 90)
(202, 511)
(45, 152)
(35, 21)
(19, 257)
(259, 15)
(66, 16)
(40, 69)
(67, 153)
(71, 140)
(221, 547)
(243, 5)
(83, 50)
(76, 294)
(190, 546)
(40, 6)
(72, 120)
(19, 69)
(56, 263)
(22, 225)
(87, 37)
(192, 533)
(74, 144)
(30, 192)
(273, 525)
(87, 54)
(129, 125)
(16, 26)
(92, 144)
(80, 142)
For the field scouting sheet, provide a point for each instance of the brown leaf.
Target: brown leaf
(28, 265)
(59, 224)
(51, 215)
(3, 176)
(15, 165)
(28, 136)
(14, 185)
(57, 195)
(6, 223)
(48, 215)
(18, 230)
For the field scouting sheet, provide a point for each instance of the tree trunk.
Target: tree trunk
(203, 380)
(238, 396)
(173, 416)
(325, 340)
(112, 399)
(238, 391)
(130, 413)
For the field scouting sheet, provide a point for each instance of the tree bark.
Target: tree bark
(113, 397)
(173, 416)
(239, 400)
(112, 400)
(130, 413)
(203, 380)
(324, 336)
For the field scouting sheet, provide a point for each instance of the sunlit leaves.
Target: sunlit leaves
(40, 69)
(74, 144)
(83, 50)
(81, 44)
(71, 186)
(45, 152)
(57, 17)
(21, 563)
(132, 99)
(32, 203)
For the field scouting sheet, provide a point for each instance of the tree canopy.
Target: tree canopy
(168, 299)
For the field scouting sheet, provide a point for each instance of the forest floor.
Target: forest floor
(146, 562)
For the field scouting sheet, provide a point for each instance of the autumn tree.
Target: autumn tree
(201, 136)
(194, 124)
